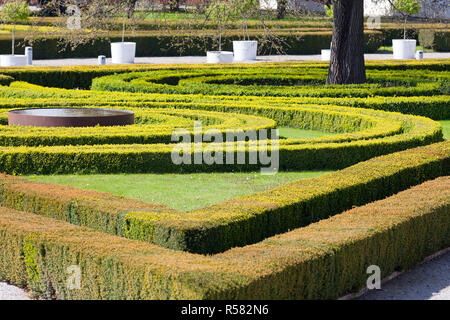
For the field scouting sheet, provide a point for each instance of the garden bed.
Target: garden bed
(292, 241)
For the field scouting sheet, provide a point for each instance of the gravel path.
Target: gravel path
(195, 59)
(429, 281)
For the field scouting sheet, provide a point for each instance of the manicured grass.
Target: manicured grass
(388, 49)
(176, 16)
(445, 128)
(293, 133)
(179, 191)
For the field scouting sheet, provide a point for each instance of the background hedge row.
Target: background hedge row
(291, 81)
(293, 41)
(159, 44)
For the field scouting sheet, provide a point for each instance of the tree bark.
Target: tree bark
(174, 5)
(281, 9)
(347, 49)
(131, 8)
(13, 37)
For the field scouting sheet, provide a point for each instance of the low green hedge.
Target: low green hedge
(321, 261)
(81, 76)
(5, 80)
(239, 221)
(151, 125)
(365, 133)
(295, 81)
(434, 107)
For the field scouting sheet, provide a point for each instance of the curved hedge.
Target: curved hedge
(380, 153)
(261, 97)
(300, 81)
(234, 222)
(364, 134)
(321, 261)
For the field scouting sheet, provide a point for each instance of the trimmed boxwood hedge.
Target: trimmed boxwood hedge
(320, 261)
(239, 221)
(364, 133)
(295, 81)
(81, 76)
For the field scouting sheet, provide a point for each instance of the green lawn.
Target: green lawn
(179, 191)
(187, 191)
(292, 133)
(176, 16)
(388, 49)
(445, 128)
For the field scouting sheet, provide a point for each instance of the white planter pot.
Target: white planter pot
(245, 50)
(123, 52)
(326, 54)
(404, 49)
(9, 60)
(219, 57)
(419, 55)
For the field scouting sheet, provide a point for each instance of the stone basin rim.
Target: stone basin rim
(112, 112)
(70, 117)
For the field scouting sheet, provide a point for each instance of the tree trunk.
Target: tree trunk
(131, 8)
(404, 27)
(174, 5)
(123, 29)
(13, 38)
(347, 50)
(281, 9)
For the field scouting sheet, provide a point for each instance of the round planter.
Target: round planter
(219, 57)
(404, 49)
(326, 54)
(245, 50)
(9, 60)
(70, 117)
(123, 52)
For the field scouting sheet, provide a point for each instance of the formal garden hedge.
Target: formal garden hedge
(287, 242)
(239, 221)
(365, 133)
(155, 43)
(394, 233)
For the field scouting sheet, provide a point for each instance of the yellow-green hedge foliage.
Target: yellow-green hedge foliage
(236, 222)
(320, 261)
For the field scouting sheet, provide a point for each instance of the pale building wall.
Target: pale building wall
(377, 8)
(430, 8)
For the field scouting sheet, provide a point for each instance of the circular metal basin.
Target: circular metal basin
(70, 117)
